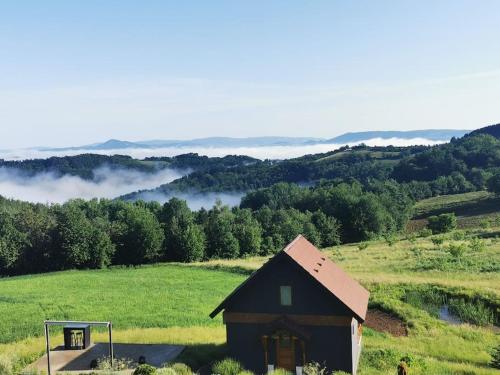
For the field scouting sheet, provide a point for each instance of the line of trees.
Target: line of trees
(99, 233)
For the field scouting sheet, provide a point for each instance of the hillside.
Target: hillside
(409, 278)
(493, 130)
(465, 160)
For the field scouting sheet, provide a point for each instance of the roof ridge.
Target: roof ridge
(290, 245)
(310, 266)
(324, 271)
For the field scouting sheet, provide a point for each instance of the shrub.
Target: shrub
(458, 235)
(227, 366)
(411, 237)
(362, 245)
(416, 250)
(118, 364)
(280, 371)
(390, 239)
(437, 241)
(456, 250)
(166, 371)
(382, 359)
(477, 245)
(179, 369)
(442, 223)
(145, 369)
(495, 357)
(408, 359)
(426, 232)
(314, 368)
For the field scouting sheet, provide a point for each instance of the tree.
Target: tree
(494, 183)
(184, 239)
(369, 218)
(138, 235)
(442, 223)
(221, 243)
(248, 232)
(81, 242)
(328, 228)
(311, 233)
(38, 223)
(11, 244)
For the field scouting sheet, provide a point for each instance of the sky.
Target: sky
(79, 72)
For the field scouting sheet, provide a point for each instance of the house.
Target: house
(297, 308)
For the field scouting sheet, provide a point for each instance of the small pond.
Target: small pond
(453, 309)
(447, 316)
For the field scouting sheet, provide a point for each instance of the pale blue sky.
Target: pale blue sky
(75, 72)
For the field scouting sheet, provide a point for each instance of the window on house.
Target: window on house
(286, 295)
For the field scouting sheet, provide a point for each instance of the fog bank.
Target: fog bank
(108, 183)
(267, 152)
(194, 200)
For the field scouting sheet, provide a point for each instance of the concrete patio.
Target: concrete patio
(79, 360)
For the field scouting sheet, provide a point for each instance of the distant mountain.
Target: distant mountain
(443, 135)
(430, 134)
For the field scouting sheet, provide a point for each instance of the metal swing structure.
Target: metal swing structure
(49, 323)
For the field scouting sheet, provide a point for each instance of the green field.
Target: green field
(155, 296)
(170, 303)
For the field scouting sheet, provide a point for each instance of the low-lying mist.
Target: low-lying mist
(108, 183)
(265, 152)
(194, 200)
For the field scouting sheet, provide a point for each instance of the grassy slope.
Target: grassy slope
(173, 296)
(472, 209)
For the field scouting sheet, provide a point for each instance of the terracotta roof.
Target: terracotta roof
(323, 270)
(328, 274)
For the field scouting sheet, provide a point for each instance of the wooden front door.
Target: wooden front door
(285, 351)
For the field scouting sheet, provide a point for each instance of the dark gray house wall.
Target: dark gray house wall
(262, 294)
(332, 346)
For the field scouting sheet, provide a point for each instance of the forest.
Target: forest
(84, 165)
(350, 195)
(99, 233)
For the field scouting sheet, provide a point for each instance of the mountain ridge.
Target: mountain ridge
(434, 135)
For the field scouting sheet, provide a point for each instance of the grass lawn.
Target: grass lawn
(170, 303)
(154, 296)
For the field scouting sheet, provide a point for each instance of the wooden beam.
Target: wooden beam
(306, 320)
(266, 353)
